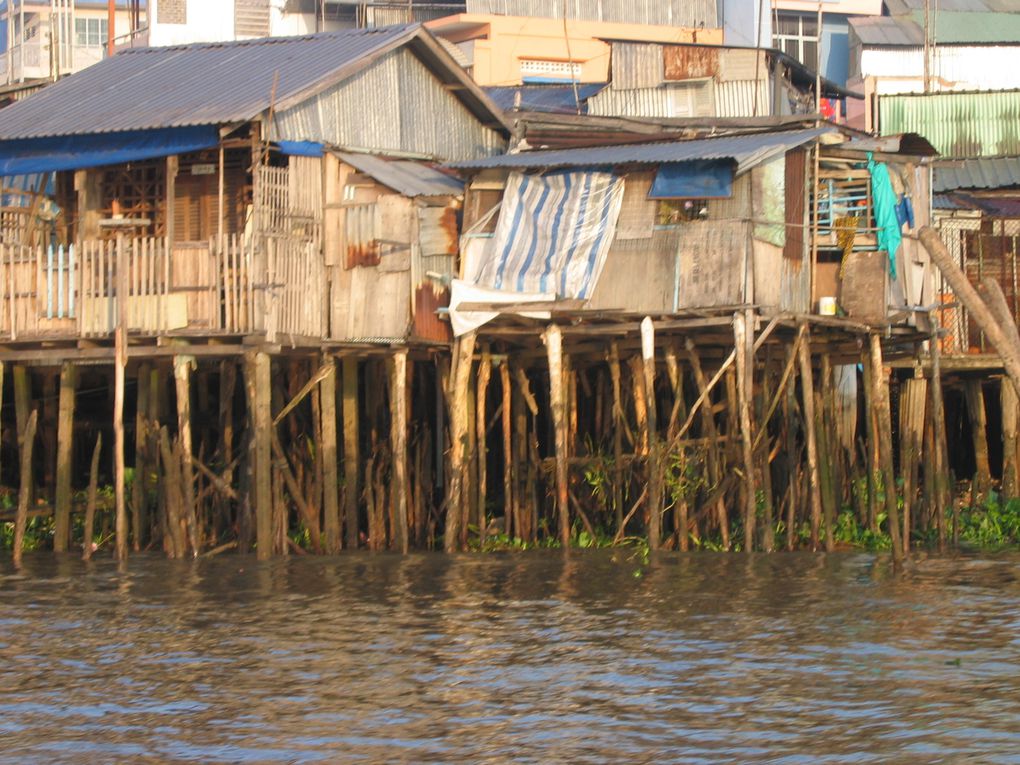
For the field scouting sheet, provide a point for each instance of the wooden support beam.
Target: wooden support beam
(1010, 453)
(398, 446)
(139, 515)
(259, 384)
(481, 433)
(330, 463)
(183, 366)
(711, 432)
(65, 452)
(655, 477)
(553, 339)
(26, 439)
(351, 450)
(618, 426)
(808, 403)
(974, 394)
(940, 451)
(743, 344)
(22, 399)
(90, 507)
(459, 459)
(507, 425)
(880, 403)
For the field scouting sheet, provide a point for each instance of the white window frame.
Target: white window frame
(779, 39)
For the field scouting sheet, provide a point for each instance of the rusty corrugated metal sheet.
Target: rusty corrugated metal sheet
(983, 124)
(688, 62)
(410, 178)
(636, 65)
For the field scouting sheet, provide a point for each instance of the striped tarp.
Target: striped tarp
(554, 233)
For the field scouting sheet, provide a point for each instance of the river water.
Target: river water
(527, 657)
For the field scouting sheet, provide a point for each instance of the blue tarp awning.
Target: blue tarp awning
(699, 179)
(301, 148)
(46, 155)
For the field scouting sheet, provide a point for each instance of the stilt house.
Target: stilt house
(282, 187)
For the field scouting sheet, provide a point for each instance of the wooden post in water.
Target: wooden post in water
(940, 450)
(182, 377)
(90, 506)
(65, 451)
(139, 517)
(655, 477)
(710, 433)
(351, 450)
(456, 505)
(507, 425)
(330, 464)
(259, 385)
(880, 403)
(1010, 412)
(744, 350)
(25, 441)
(808, 401)
(913, 400)
(398, 445)
(22, 399)
(481, 433)
(553, 339)
(974, 394)
(614, 374)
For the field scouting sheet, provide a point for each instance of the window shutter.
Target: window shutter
(251, 18)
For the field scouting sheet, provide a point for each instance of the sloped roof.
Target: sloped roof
(745, 150)
(412, 179)
(951, 28)
(886, 30)
(219, 83)
(985, 173)
(555, 99)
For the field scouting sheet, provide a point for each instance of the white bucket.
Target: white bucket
(827, 306)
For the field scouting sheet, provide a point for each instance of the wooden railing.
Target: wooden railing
(215, 287)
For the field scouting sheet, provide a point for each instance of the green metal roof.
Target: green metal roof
(984, 124)
(960, 27)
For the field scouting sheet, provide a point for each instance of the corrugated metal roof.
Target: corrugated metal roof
(746, 150)
(412, 179)
(886, 30)
(553, 99)
(203, 84)
(896, 7)
(980, 124)
(673, 13)
(988, 173)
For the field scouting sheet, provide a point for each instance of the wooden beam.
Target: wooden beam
(330, 471)
(553, 339)
(398, 444)
(351, 450)
(259, 385)
(65, 452)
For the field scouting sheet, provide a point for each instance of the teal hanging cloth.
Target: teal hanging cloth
(884, 200)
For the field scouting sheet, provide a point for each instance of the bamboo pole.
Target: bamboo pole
(26, 440)
(553, 339)
(65, 452)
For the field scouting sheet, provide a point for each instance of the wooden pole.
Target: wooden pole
(553, 339)
(456, 500)
(182, 377)
(743, 347)
(826, 440)
(351, 450)
(139, 519)
(330, 464)
(1010, 412)
(808, 399)
(711, 435)
(974, 393)
(22, 399)
(90, 507)
(481, 437)
(614, 374)
(880, 403)
(655, 477)
(65, 451)
(940, 450)
(398, 444)
(25, 442)
(259, 384)
(507, 423)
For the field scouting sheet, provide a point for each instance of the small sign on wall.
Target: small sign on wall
(209, 169)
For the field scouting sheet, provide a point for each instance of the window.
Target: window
(539, 70)
(90, 31)
(797, 36)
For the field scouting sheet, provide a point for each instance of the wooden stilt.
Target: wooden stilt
(913, 404)
(330, 465)
(826, 432)
(553, 339)
(743, 345)
(808, 399)
(681, 519)
(710, 434)
(22, 399)
(25, 443)
(352, 458)
(507, 426)
(481, 431)
(398, 445)
(90, 505)
(792, 457)
(258, 385)
(1010, 412)
(940, 449)
(880, 403)
(182, 378)
(614, 374)
(655, 477)
(65, 452)
(872, 446)
(459, 459)
(974, 393)
(139, 514)
(228, 386)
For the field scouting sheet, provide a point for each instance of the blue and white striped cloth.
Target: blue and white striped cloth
(554, 233)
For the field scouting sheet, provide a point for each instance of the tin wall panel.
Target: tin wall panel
(636, 65)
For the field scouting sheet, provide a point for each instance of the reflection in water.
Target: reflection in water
(529, 657)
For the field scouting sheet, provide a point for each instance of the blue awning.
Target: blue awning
(700, 179)
(46, 155)
(301, 148)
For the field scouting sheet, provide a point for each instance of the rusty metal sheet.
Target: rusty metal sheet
(439, 232)
(428, 299)
(682, 62)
